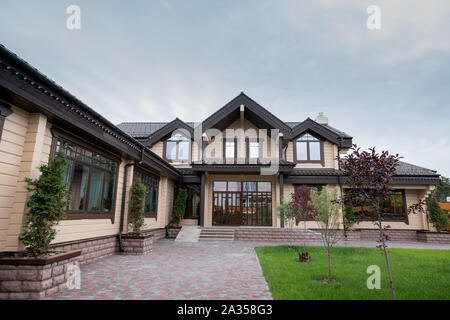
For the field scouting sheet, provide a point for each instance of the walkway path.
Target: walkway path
(183, 270)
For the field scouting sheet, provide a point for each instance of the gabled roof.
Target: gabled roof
(168, 129)
(254, 112)
(331, 134)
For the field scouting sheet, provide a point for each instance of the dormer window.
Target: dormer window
(177, 148)
(308, 149)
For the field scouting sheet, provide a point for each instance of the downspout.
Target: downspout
(341, 187)
(124, 194)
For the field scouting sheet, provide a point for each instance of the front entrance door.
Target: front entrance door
(242, 203)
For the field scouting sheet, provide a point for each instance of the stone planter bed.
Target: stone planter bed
(24, 277)
(137, 244)
(173, 232)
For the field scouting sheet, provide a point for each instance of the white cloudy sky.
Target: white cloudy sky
(157, 60)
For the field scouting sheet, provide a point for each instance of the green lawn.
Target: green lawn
(417, 274)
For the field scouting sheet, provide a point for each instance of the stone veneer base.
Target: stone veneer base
(297, 235)
(433, 237)
(137, 245)
(34, 278)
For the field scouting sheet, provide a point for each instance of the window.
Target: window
(242, 203)
(230, 148)
(177, 148)
(151, 198)
(394, 207)
(253, 149)
(308, 149)
(91, 178)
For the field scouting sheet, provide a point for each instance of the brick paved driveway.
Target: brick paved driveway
(173, 270)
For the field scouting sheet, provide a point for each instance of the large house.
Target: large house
(236, 165)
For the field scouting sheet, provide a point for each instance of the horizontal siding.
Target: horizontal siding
(11, 150)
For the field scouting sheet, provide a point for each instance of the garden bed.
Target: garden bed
(137, 244)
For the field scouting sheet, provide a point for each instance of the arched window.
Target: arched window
(177, 148)
(308, 148)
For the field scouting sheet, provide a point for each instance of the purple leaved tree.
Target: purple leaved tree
(301, 207)
(368, 179)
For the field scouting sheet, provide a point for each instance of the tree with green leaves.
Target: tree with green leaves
(287, 215)
(327, 215)
(179, 208)
(47, 205)
(438, 217)
(442, 190)
(136, 207)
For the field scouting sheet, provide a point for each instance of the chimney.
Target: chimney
(321, 118)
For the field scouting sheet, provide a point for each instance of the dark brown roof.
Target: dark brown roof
(144, 129)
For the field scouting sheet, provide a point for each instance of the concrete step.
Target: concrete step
(216, 239)
(216, 234)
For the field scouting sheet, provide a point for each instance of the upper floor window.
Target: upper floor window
(151, 197)
(92, 179)
(253, 149)
(308, 148)
(177, 148)
(230, 148)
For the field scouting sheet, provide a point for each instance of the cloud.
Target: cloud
(157, 60)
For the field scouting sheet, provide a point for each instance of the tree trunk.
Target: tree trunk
(304, 233)
(386, 258)
(329, 264)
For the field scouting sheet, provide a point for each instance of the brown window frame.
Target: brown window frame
(177, 148)
(389, 216)
(247, 148)
(141, 171)
(321, 142)
(224, 140)
(58, 134)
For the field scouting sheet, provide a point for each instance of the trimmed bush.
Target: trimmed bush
(179, 207)
(47, 205)
(437, 215)
(136, 207)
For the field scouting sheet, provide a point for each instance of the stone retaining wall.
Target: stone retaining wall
(35, 281)
(137, 245)
(391, 234)
(91, 249)
(433, 237)
(313, 235)
(173, 232)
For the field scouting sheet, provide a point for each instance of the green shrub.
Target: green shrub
(349, 217)
(47, 205)
(437, 215)
(179, 207)
(137, 206)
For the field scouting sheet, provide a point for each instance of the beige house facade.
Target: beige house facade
(237, 165)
